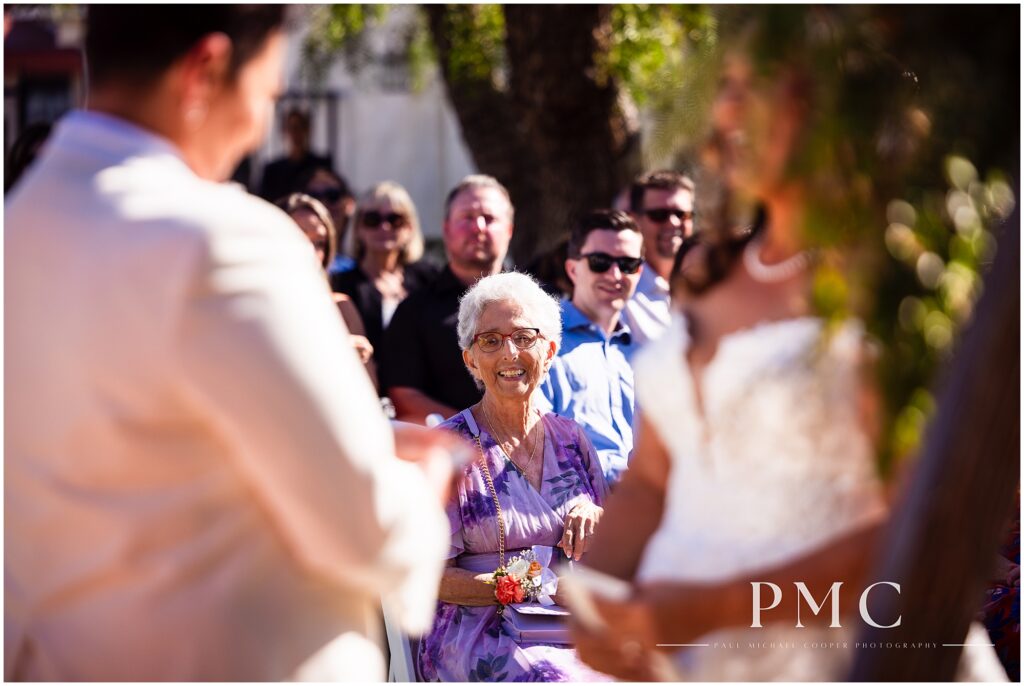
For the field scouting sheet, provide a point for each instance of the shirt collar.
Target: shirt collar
(113, 136)
(573, 318)
(652, 282)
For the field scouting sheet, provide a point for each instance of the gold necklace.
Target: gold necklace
(506, 445)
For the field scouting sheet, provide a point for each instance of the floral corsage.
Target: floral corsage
(526, 578)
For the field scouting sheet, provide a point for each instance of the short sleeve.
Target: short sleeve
(592, 464)
(403, 361)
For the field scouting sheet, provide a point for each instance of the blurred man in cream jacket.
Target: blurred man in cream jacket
(199, 483)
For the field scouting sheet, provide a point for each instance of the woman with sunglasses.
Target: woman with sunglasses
(312, 217)
(331, 188)
(387, 243)
(536, 486)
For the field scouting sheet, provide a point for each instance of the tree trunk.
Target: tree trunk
(557, 138)
(941, 544)
(493, 132)
(587, 147)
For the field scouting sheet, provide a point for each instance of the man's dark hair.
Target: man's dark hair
(598, 220)
(664, 179)
(134, 44)
(307, 176)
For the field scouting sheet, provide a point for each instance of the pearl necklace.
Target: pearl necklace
(764, 273)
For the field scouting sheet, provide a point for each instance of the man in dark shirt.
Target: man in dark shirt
(284, 175)
(425, 373)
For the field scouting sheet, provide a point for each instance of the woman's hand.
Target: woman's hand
(579, 528)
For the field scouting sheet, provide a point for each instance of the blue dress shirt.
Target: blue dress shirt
(591, 381)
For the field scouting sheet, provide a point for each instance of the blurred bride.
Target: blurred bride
(755, 459)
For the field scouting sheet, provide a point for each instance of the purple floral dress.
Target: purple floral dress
(474, 643)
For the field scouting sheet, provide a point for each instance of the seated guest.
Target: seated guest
(537, 482)
(388, 243)
(312, 217)
(423, 371)
(331, 188)
(591, 380)
(662, 204)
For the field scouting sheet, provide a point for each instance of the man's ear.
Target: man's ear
(204, 70)
(570, 269)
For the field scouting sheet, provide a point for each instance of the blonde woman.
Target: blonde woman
(387, 244)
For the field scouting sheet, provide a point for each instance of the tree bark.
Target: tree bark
(557, 138)
(491, 128)
(587, 146)
(941, 544)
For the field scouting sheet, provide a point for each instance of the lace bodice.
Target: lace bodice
(776, 465)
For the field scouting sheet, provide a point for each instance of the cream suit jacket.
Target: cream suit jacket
(199, 483)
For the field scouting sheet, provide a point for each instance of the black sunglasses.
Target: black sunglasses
(600, 262)
(373, 219)
(329, 196)
(661, 214)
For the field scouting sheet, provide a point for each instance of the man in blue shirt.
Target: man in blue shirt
(591, 380)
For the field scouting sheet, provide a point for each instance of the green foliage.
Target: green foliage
(421, 53)
(940, 245)
(339, 29)
(649, 44)
(477, 38)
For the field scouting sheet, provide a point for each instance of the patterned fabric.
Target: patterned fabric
(475, 643)
(1002, 607)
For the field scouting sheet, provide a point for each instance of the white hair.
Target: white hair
(539, 307)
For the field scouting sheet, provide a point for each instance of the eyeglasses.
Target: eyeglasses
(489, 341)
(661, 214)
(328, 196)
(373, 219)
(600, 262)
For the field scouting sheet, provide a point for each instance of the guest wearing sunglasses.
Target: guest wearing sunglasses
(331, 188)
(591, 380)
(662, 204)
(387, 245)
(310, 215)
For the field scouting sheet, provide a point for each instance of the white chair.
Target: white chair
(401, 650)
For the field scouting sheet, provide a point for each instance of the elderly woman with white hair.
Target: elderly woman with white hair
(536, 486)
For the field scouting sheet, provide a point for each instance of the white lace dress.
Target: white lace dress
(771, 465)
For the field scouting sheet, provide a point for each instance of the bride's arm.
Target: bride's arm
(633, 511)
(682, 612)
(675, 613)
